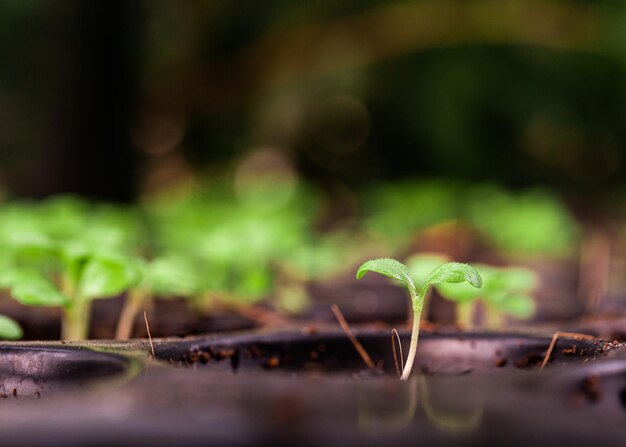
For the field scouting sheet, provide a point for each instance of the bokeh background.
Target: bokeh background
(113, 98)
(405, 117)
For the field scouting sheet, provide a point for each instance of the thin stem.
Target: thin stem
(465, 314)
(417, 315)
(493, 318)
(76, 320)
(134, 302)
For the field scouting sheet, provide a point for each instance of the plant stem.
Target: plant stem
(132, 305)
(465, 315)
(493, 318)
(417, 316)
(76, 320)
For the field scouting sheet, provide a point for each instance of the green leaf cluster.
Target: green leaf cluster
(449, 272)
(530, 223)
(247, 242)
(62, 249)
(243, 245)
(506, 291)
(398, 210)
(526, 223)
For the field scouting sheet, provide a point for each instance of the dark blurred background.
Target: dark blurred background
(113, 99)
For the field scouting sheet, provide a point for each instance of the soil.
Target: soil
(310, 387)
(331, 351)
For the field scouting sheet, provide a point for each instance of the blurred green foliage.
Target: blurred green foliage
(512, 91)
(505, 291)
(9, 329)
(534, 222)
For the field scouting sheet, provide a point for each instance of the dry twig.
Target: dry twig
(574, 335)
(145, 318)
(346, 329)
(395, 357)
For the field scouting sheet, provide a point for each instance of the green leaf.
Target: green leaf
(519, 306)
(391, 268)
(106, 276)
(454, 272)
(172, 276)
(9, 329)
(32, 289)
(518, 278)
(458, 292)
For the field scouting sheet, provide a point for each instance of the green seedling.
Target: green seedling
(72, 287)
(451, 272)
(9, 329)
(62, 253)
(505, 291)
(437, 201)
(163, 277)
(217, 224)
(530, 223)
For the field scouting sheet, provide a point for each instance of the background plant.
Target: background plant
(10, 329)
(65, 254)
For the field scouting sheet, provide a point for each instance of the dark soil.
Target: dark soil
(438, 353)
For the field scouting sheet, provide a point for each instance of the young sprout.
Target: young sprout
(95, 276)
(163, 277)
(451, 272)
(505, 291)
(9, 329)
(65, 253)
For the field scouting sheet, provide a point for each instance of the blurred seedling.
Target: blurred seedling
(9, 329)
(163, 277)
(451, 272)
(506, 292)
(65, 254)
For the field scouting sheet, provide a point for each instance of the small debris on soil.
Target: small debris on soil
(501, 361)
(203, 356)
(591, 387)
(272, 362)
(529, 360)
(569, 351)
(224, 353)
(309, 330)
(253, 352)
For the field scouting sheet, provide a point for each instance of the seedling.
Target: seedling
(451, 272)
(505, 291)
(80, 281)
(530, 223)
(163, 277)
(63, 254)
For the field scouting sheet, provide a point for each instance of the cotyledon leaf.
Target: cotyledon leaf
(391, 268)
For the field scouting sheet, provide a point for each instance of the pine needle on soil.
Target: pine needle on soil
(346, 330)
